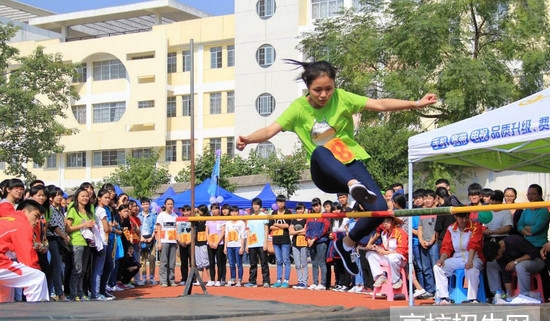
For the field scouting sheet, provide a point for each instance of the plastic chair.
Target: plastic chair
(536, 284)
(458, 287)
(387, 287)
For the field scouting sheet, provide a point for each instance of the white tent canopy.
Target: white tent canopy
(513, 137)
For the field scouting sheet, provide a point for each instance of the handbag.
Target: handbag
(119, 248)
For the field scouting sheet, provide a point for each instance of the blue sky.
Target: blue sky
(213, 7)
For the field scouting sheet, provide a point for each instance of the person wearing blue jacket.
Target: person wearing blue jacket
(317, 240)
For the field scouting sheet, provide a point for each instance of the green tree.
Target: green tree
(143, 174)
(475, 55)
(286, 171)
(34, 94)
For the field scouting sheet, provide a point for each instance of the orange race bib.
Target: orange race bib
(232, 236)
(340, 150)
(301, 241)
(172, 235)
(278, 232)
(213, 238)
(185, 238)
(201, 236)
(252, 239)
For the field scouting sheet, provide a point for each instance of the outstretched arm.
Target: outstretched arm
(259, 136)
(389, 104)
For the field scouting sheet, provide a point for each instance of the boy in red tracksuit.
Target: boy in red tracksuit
(18, 260)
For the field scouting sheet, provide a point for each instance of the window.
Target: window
(51, 161)
(215, 144)
(215, 57)
(79, 113)
(265, 8)
(82, 73)
(109, 157)
(265, 56)
(230, 56)
(108, 112)
(109, 69)
(141, 152)
(326, 8)
(231, 146)
(185, 150)
(230, 102)
(170, 151)
(186, 102)
(265, 104)
(146, 104)
(186, 60)
(77, 159)
(171, 63)
(215, 103)
(265, 149)
(171, 106)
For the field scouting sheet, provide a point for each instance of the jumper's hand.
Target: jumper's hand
(242, 141)
(428, 99)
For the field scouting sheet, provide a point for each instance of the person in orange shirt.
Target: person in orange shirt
(18, 260)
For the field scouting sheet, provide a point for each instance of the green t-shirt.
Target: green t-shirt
(330, 126)
(76, 237)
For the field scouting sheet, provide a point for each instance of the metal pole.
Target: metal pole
(193, 270)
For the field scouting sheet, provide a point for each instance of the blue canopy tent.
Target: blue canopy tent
(268, 198)
(119, 191)
(169, 193)
(203, 197)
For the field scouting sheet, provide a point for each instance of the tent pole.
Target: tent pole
(411, 264)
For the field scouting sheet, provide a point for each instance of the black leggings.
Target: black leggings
(331, 176)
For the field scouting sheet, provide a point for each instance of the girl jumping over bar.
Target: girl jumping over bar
(323, 121)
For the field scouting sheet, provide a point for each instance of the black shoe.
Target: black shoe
(347, 257)
(362, 194)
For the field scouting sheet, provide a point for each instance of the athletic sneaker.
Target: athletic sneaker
(129, 285)
(300, 286)
(284, 285)
(182, 283)
(266, 285)
(210, 283)
(174, 284)
(343, 288)
(320, 287)
(140, 283)
(238, 284)
(418, 292)
(108, 295)
(312, 287)
(348, 258)
(217, 283)
(164, 285)
(251, 285)
(230, 283)
(153, 282)
(398, 284)
(277, 284)
(380, 281)
(118, 288)
(337, 288)
(362, 194)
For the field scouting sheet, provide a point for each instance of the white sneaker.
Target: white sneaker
(380, 281)
(230, 283)
(320, 287)
(312, 287)
(418, 292)
(118, 289)
(238, 284)
(217, 283)
(210, 283)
